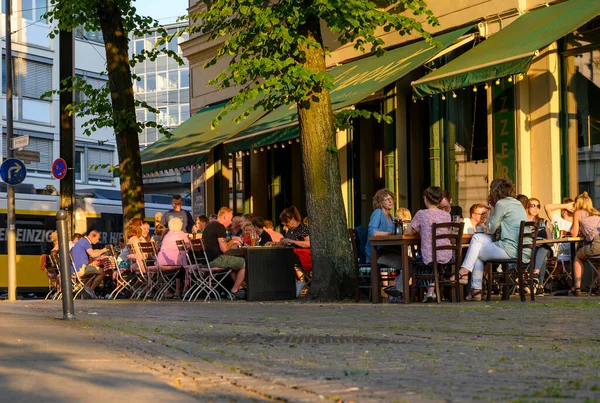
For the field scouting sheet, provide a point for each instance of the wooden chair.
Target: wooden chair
(362, 270)
(510, 267)
(453, 233)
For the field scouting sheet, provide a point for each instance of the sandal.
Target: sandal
(463, 278)
(474, 295)
(575, 292)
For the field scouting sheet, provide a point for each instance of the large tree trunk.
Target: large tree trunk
(333, 274)
(119, 74)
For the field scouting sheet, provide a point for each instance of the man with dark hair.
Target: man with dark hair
(82, 253)
(446, 205)
(216, 244)
(184, 215)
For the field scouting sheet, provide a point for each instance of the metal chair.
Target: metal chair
(215, 275)
(196, 276)
(594, 263)
(432, 272)
(165, 275)
(362, 270)
(510, 267)
(122, 283)
(50, 265)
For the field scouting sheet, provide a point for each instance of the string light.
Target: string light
(247, 152)
(414, 101)
(282, 145)
(297, 139)
(486, 86)
(274, 145)
(474, 89)
(498, 82)
(521, 76)
(289, 141)
(255, 151)
(268, 147)
(453, 94)
(443, 97)
(262, 149)
(510, 79)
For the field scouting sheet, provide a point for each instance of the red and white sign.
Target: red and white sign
(59, 168)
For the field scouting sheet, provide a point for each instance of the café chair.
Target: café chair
(143, 279)
(216, 275)
(594, 263)
(122, 282)
(557, 272)
(196, 276)
(514, 270)
(440, 273)
(80, 286)
(362, 270)
(49, 265)
(164, 275)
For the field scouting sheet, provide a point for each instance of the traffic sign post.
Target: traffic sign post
(13, 171)
(59, 168)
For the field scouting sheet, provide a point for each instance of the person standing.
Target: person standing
(184, 215)
(216, 244)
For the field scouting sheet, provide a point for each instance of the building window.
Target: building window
(99, 157)
(94, 36)
(96, 83)
(184, 78)
(150, 83)
(31, 10)
(79, 157)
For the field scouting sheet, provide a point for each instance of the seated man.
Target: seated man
(84, 258)
(216, 244)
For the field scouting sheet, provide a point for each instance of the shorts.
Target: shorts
(89, 270)
(592, 248)
(234, 263)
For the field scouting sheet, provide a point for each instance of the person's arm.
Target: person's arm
(552, 209)
(301, 244)
(375, 223)
(575, 226)
(496, 217)
(413, 227)
(225, 245)
(190, 222)
(94, 253)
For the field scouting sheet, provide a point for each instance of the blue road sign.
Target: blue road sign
(13, 171)
(59, 168)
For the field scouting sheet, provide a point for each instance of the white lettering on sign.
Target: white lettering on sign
(25, 235)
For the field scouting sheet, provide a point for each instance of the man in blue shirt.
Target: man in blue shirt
(184, 215)
(83, 253)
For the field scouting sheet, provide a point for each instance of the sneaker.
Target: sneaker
(539, 292)
(429, 297)
(299, 287)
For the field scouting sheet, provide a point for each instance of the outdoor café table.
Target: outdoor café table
(270, 273)
(572, 240)
(403, 242)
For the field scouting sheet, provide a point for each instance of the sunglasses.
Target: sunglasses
(534, 205)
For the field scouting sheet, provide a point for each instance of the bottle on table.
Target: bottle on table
(555, 231)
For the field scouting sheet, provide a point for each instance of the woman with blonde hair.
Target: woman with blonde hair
(586, 221)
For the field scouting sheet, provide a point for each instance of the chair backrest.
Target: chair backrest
(451, 231)
(199, 252)
(183, 250)
(148, 250)
(528, 231)
(361, 243)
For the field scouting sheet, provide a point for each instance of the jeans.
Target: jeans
(541, 259)
(481, 249)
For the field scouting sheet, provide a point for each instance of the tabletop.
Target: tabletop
(560, 240)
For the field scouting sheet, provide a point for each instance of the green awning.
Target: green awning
(353, 82)
(509, 51)
(191, 141)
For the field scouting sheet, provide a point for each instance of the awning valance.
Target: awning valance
(509, 51)
(353, 82)
(191, 141)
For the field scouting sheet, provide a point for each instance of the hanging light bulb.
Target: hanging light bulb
(297, 139)
(414, 101)
(289, 141)
(262, 149)
(453, 94)
(268, 147)
(248, 152)
(486, 86)
(510, 79)
(255, 151)
(521, 76)
(474, 89)
(282, 145)
(274, 145)
(443, 97)
(498, 82)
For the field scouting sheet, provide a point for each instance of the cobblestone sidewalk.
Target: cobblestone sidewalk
(502, 351)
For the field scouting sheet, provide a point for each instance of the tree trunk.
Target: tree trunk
(334, 276)
(119, 74)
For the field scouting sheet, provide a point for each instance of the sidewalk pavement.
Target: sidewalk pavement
(124, 350)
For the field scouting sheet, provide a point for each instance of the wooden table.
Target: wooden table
(270, 273)
(403, 242)
(572, 240)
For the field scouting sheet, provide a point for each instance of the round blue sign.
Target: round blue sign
(59, 168)
(13, 171)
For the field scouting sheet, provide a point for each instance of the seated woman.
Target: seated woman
(169, 254)
(477, 221)
(507, 214)
(263, 236)
(533, 210)
(561, 215)
(270, 229)
(382, 223)
(422, 223)
(297, 235)
(586, 221)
